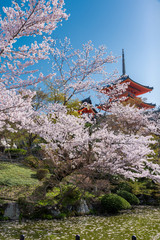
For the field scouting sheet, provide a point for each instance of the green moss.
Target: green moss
(14, 192)
(16, 175)
(47, 216)
(61, 216)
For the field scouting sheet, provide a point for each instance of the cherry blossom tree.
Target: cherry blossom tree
(76, 70)
(125, 155)
(73, 146)
(131, 120)
(28, 18)
(124, 141)
(121, 149)
(23, 19)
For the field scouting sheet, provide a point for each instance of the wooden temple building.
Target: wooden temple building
(87, 107)
(131, 93)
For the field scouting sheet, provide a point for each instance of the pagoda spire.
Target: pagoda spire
(123, 64)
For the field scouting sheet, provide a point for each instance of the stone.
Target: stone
(12, 211)
(55, 212)
(83, 209)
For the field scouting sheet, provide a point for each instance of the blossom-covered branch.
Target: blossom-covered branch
(76, 70)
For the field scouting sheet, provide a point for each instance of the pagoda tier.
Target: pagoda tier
(133, 89)
(147, 105)
(130, 100)
(137, 101)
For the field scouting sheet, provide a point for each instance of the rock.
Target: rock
(148, 200)
(12, 211)
(83, 209)
(55, 212)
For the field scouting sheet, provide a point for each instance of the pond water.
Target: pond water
(142, 222)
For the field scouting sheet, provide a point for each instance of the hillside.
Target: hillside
(16, 181)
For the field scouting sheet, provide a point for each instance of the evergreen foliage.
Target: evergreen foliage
(112, 203)
(31, 161)
(15, 152)
(42, 173)
(131, 198)
(70, 195)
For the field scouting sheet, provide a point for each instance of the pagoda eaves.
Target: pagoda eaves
(134, 88)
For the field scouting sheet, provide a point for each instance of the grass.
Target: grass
(16, 175)
(16, 181)
(8, 193)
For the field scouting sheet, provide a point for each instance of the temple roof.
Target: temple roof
(137, 101)
(137, 86)
(105, 107)
(87, 107)
(87, 110)
(134, 88)
(140, 103)
(87, 100)
(147, 105)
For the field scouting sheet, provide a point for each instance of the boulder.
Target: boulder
(82, 208)
(12, 211)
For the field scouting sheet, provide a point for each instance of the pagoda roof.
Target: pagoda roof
(142, 88)
(142, 104)
(147, 105)
(134, 88)
(87, 100)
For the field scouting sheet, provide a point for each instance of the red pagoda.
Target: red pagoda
(133, 90)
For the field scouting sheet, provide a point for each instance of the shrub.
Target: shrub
(42, 173)
(70, 194)
(47, 216)
(112, 203)
(51, 197)
(31, 161)
(131, 198)
(15, 152)
(125, 186)
(36, 150)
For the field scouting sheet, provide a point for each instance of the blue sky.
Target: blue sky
(130, 24)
